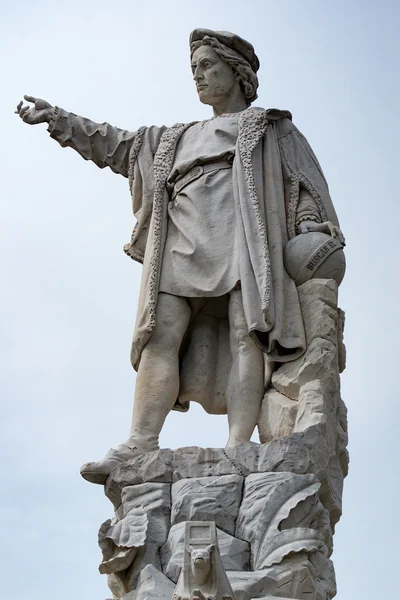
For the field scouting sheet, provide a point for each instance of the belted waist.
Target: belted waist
(195, 173)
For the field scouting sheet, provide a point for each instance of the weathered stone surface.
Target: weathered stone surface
(324, 575)
(277, 417)
(302, 452)
(208, 498)
(268, 500)
(155, 498)
(120, 540)
(165, 466)
(149, 555)
(311, 405)
(319, 397)
(154, 467)
(235, 553)
(341, 345)
(244, 457)
(271, 598)
(318, 299)
(341, 429)
(197, 462)
(293, 578)
(332, 489)
(315, 364)
(310, 513)
(151, 585)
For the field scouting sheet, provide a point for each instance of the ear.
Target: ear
(189, 548)
(210, 548)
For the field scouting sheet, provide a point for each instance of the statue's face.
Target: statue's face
(215, 79)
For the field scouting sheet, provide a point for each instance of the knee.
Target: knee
(241, 341)
(172, 318)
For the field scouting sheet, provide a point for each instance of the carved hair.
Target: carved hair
(248, 79)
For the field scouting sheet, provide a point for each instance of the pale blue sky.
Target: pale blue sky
(69, 293)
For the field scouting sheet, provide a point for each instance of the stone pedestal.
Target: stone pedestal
(274, 504)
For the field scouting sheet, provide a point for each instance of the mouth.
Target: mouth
(201, 87)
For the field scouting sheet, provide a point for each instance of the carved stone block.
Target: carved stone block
(235, 553)
(294, 578)
(198, 462)
(155, 498)
(151, 585)
(206, 498)
(318, 299)
(267, 501)
(154, 466)
(277, 416)
(203, 576)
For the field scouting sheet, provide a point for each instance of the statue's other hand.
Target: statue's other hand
(40, 112)
(325, 227)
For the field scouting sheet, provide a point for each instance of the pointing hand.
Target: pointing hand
(40, 112)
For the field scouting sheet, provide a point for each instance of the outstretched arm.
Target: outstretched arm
(105, 145)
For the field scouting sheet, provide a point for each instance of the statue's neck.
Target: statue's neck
(233, 104)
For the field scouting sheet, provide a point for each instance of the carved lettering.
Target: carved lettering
(318, 256)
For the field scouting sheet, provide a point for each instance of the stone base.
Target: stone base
(274, 504)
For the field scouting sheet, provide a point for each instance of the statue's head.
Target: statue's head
(223, 64)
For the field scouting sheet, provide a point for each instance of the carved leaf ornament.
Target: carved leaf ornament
(275, 544)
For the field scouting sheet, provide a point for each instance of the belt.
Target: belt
(196, 172)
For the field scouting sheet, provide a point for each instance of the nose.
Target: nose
(198, 75)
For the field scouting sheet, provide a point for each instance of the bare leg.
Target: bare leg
(247, 380)
(157, 381)
(157, 387)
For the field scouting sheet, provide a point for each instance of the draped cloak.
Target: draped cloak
(273, 163)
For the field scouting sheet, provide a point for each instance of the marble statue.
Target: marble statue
(215, 203)
(242, 256)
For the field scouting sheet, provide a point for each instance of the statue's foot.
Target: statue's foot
(97, 472)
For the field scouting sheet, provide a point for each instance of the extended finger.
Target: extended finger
(23, 111)
(30, 98)
(18, 108)
(26, 115)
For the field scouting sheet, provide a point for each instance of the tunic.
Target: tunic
(201, 251)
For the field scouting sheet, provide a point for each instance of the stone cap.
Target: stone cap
(232, 41)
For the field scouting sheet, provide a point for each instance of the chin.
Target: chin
(204, 97)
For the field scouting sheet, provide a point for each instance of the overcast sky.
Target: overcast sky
(69, 293)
